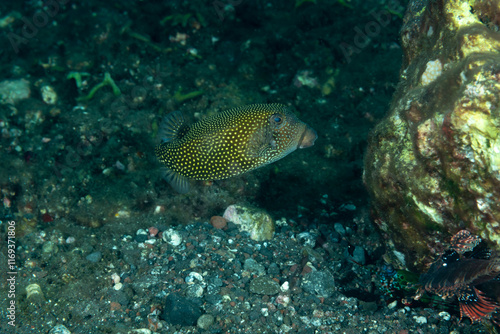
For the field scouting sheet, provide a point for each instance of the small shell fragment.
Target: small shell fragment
(49, 95)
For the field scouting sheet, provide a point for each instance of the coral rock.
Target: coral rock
(254, 221)
(433, 165)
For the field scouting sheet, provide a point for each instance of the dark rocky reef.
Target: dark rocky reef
(433, 164)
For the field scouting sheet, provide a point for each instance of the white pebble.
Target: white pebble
(392, 305)
(118, 286)
(445, 315)
(122, 214)
(140, 331)
(115, 277)
(141, 231)
(158, 209)
(172, 237)
(420, 320)
(49, 95)
(194, 276)
(59, 329)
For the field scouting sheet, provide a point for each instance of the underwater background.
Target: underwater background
(94, 240)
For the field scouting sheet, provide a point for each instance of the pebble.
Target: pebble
(94, 257)
(264, 285)
(34, 293)
(49, 247)
(141, 235)
(181, 311)
(283, 300)
(392, 305)
(13, 91)
(119, 297)
(140, 331)
(205, 321)
(49, 95)
(122, 214)
(307, 239)
(153, 231)
(347, 207)
(115, 278)
(254, 267)
(339, 228)
(351, 303)
(59, 329)
(219, 222)
(159, 209)
(70, 240)
(359, 255)
(273, 269)
(264, 311)
(420, 319)
(172, 237)
(257, 222)
(445, 315)
(195, 291)
(194, 277)
(319, 283)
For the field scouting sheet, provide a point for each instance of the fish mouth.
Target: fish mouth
(307, 138)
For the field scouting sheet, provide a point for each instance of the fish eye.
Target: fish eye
(277, 118)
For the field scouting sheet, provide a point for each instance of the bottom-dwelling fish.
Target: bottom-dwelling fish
(463, 272)
(229, 143)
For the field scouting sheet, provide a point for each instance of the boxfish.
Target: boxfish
(228, 143)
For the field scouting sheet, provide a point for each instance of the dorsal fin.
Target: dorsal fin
(172, 127)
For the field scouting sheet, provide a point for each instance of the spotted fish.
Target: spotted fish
(229, 143)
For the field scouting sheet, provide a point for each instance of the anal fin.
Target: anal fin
(178, 182)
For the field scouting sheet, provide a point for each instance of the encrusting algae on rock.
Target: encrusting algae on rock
(229, 143)
(433, 164)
